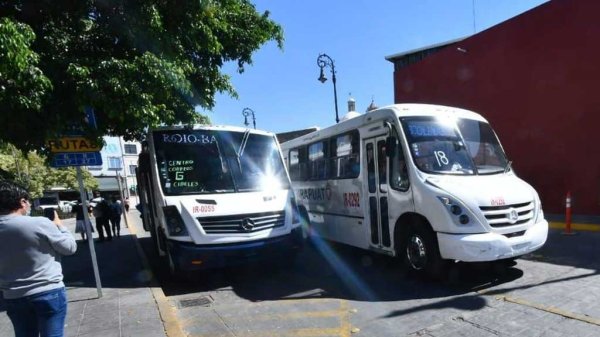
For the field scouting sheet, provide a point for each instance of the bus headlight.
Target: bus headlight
(456, 211)
(174, 222)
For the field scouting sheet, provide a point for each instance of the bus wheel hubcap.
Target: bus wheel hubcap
(416, 253)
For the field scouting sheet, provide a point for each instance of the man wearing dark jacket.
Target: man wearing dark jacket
(102, 214)
(31, 276)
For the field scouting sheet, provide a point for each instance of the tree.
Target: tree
(139, 63)
(31, 171)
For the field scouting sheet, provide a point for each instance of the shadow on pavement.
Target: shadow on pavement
(580, 250)
(345, 273)
(118, 263)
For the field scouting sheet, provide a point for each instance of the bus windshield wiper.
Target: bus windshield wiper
(508, 166)
(242, 147)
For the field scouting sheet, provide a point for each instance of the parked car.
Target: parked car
(67, 205)
(95, 201)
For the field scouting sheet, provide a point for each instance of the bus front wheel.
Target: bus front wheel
(420, 251)
(168, 260)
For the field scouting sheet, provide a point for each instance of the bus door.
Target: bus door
(377, 191)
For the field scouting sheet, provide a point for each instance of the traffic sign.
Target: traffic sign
(73, 144)
(76, 159)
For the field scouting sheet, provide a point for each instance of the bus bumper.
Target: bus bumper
(491, 246)
(191, 257)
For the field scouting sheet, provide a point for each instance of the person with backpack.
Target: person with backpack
(115, 216)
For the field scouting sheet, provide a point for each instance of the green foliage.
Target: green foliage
(23, 86)
(31, 171)
(139, 63)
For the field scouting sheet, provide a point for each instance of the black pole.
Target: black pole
(323, 61)
(337, 118)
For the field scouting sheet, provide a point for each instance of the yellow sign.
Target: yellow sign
(73, 144)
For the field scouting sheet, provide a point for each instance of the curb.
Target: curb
(166, 310)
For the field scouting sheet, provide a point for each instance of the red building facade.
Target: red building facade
(536, 78)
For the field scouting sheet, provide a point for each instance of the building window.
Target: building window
(132, 169)
(114, 163)
(130, 149)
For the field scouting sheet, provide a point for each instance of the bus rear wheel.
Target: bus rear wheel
(420, 251)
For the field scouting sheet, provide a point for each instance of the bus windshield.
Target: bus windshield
(454, 146)
(209, 161)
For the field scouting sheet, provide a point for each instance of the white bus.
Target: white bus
(216, 196)
(422, 182)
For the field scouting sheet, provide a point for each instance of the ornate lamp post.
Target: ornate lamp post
(247, 112)
(323, 61)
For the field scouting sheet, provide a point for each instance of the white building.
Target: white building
(119, 158)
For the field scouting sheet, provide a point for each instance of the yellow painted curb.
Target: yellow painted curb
(576, 226)
(165, 309)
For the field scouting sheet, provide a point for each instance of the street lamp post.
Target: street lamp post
(323, 61)
(247, 112)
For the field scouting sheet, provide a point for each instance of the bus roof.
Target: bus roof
(399, 110)
(417, 109)
(213, 128)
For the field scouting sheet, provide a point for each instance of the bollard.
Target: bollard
(568, 215)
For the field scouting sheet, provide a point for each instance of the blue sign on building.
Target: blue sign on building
(76, 159)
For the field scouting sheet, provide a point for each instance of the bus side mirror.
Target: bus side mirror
(390, 146)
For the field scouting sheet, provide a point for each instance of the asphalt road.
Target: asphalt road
(336, 290)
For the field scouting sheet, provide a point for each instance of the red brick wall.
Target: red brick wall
(536, 78)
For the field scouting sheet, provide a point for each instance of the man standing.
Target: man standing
(126, 203)
(115, 216)
(102, 214)
(31, 276)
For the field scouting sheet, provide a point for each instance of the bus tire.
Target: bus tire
(172, 268)
(420, 251)
(167, 260)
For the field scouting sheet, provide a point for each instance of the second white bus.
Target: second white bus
(422, 182)
(215, 196)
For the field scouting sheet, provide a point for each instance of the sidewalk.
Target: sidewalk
(127, 307)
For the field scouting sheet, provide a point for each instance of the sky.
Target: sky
(281, 85)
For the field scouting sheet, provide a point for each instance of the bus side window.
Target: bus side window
(398, 170)
(371, 168)
(318, 161)
(381, 163)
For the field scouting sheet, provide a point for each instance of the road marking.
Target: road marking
(551, 309)
(308, 332)
(286, 316)
(341, 312)
(345, 326)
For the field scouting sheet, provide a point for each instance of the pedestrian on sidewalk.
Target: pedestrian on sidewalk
(126, 203)
(115, 216)
(31, 276)
(101, 213)
(80, 219)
